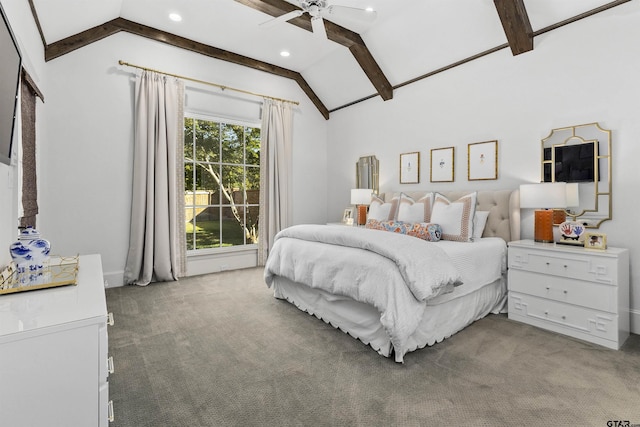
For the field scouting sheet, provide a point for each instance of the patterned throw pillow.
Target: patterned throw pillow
(424, 231)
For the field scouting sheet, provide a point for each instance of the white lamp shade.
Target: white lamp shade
(573, 195)
(546, 195)
(361, 196)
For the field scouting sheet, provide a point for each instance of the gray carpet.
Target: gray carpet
(219, 350)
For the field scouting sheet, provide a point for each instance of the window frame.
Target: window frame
(253, 247)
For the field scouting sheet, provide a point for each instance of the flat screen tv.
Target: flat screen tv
(10, 66)
(573, 163)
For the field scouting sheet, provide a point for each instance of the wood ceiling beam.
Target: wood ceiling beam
(71, 43)
(515, 22)
(335, 33)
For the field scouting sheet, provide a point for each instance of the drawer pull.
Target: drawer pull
(565, 266)
(110, 321)
(548, 287)
(565, 291)
(564, 317)
(546, 313)
(110, 367)
(548, 263)
(110, 411)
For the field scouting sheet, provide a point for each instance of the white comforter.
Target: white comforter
(397, 274)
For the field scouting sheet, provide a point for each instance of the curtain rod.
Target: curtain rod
(121, 62)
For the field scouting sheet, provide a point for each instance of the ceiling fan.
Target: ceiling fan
(319, 9)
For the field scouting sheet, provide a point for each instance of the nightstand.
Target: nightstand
(583, 293)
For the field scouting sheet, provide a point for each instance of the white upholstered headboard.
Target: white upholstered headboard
(503, 207)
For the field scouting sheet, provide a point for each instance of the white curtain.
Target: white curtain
(157, 236)
(275, 173)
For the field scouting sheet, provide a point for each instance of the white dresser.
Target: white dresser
(583, 293)
(53, 354)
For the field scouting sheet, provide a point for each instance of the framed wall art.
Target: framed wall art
(442, 165)
(482, 160)
(410, 168)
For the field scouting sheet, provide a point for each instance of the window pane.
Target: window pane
(252, 224)
(189, 216)
(206, 181)
(252, 136)
(207, 228)
(232, 230)
(232, 144)
(188, 138)
(233, 181)
(253, 180)
(188, 177)
(207, 141)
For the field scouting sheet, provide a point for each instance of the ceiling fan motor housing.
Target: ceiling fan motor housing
(313, 7)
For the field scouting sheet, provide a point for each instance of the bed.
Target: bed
(394, 292)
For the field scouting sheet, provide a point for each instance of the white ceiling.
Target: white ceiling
(408, 39)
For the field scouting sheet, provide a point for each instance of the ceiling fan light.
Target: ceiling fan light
(175, 17)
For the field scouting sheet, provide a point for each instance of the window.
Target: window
(222, 183)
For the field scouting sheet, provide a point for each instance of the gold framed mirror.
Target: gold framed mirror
(581, 156)
(367, 168)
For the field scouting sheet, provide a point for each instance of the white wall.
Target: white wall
(87, 143)
(26, 33)
(582, 73)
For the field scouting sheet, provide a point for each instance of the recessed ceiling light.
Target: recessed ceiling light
(369, 9)
(175, 17)
(284, 53)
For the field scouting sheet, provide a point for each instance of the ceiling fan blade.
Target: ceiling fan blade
(317, 24)
(282, 18)
(351, 13)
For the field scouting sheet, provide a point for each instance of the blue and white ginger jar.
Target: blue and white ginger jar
(30, 252)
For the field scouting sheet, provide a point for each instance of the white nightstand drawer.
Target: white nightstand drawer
(576, 266)
(588, 294)
(564, 318)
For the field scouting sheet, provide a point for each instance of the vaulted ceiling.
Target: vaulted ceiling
(409, 40)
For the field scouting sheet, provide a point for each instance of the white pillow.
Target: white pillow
(413, 211)
(479, 222)
(455, 218)
(381, 211)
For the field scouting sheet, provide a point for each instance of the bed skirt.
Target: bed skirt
(362, 321)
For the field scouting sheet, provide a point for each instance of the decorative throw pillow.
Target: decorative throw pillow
(479, 222)
(410, 210)
(424, 231)
(381, 211)
(455, 218)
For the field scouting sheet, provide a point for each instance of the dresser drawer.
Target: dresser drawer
(576, 266)
(569, 319)
(572, 291)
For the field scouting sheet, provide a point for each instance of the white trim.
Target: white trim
(194, 253)
(238, 258)
(634, 317)
(225, 120)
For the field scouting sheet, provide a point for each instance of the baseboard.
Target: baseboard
(201, 264)
(634, 325)
(113, 279)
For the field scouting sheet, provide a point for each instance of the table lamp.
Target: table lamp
(361, 197)
(573, 201)
(543, 197)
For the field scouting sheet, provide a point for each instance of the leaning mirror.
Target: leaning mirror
(580, 155)
(367, 173)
